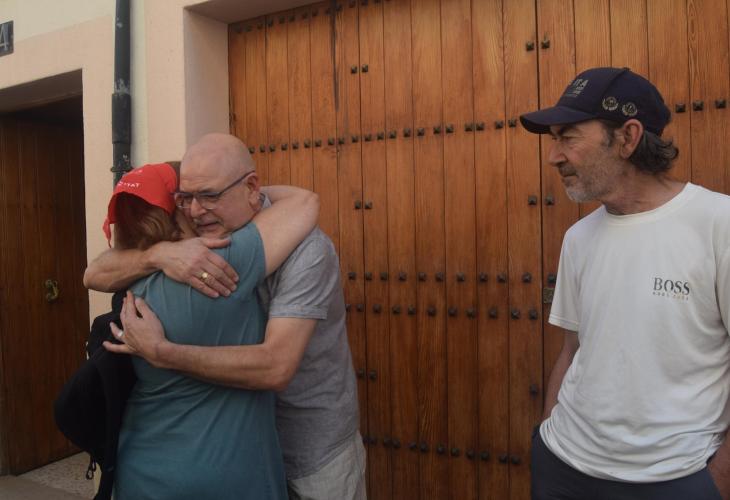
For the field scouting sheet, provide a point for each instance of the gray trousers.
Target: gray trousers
(553, 479)
(341, 479)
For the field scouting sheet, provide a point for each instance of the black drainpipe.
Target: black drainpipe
(121, 98)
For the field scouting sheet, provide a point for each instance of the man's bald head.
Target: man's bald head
(218, 154)
(220, 163)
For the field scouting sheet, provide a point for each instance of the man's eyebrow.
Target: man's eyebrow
(562, 130)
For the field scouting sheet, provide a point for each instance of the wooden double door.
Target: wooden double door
(403, 116)
(44, 311)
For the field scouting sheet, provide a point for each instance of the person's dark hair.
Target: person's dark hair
(140, 225)
(176, 167)
(653, 155)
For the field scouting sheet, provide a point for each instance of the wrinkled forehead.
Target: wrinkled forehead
(209, 171)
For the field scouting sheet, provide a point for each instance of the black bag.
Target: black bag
(90, 406)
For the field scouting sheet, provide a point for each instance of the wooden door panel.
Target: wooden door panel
(277, 98)
(430, 247)
(256, 109)
(523, 181)
(55, 211)
(31, 383)
(5, 304)
(401, 246)
(592, 28)
(491, 248)
(669, 71)
(42, 342)
(23, 311)
(461, 275)
(13, 306)
(628, 19)
(62, 233)
(77, 335)
(300, 98)
(324, 121)
(237, 89)
(351, 206)
(708, 63)
(375, 219)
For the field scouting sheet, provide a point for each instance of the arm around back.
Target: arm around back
(303, 290)
(286, 223)
(183, 261)
(115, 269)
(266, 366)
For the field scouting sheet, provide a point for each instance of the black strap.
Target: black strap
(105, 485)
(118, 379)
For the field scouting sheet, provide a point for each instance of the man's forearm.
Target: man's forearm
(562, 364)
(244, 367)
(720, 469)
(115, 270)
(270, 365)
(553, 387)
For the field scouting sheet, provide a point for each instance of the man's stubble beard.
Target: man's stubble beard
(578, 196)
(597, 181)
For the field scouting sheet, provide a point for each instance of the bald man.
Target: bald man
(305, 355)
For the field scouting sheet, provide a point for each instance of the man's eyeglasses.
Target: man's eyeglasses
(207, 199)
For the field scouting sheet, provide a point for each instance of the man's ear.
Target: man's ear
(254, 188)
(630, 133)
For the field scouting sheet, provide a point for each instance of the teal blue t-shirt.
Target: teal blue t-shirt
(183, 438)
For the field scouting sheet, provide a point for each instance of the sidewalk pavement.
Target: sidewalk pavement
(20, 488)
(62, 480)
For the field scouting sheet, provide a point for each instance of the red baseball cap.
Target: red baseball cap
(154, 183)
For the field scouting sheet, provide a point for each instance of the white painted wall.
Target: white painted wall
(39, 17)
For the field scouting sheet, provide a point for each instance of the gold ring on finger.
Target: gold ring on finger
(204, 275)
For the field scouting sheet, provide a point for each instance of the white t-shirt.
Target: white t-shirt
(646, 396)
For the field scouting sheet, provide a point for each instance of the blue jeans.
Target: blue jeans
(553, 479)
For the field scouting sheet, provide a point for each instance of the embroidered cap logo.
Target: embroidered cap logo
(576, 87)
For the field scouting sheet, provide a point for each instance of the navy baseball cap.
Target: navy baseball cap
(614, 94)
